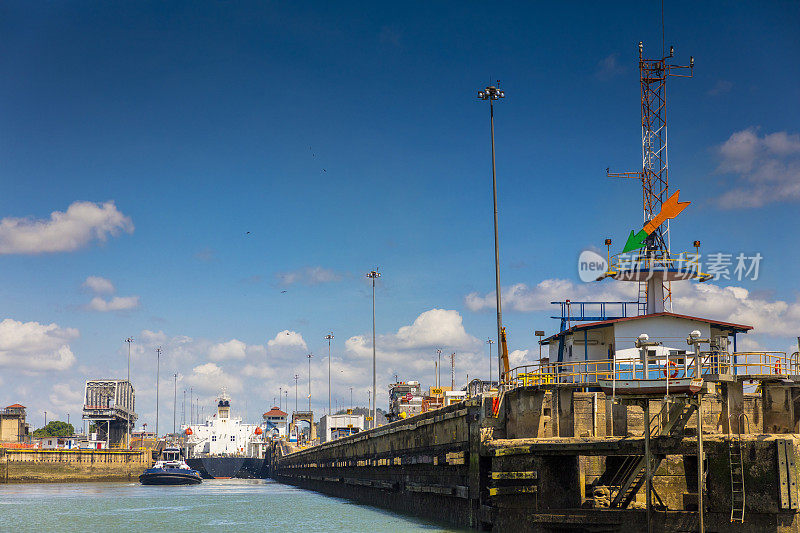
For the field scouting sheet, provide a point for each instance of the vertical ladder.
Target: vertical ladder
(642, 298)
(737, 473)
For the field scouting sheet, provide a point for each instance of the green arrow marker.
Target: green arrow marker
(635, 241)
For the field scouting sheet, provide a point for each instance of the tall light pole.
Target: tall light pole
(329, 338)
(129, 340)
(158, 372)
(439, 369)
(453, 371)
(309, 381)
(280, 397)
(174, 402)
(373, 275)
(191, 406)
(490, 342)
(183, 409)
(296, 377)
(492, 93)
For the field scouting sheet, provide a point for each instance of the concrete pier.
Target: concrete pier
(552, 460)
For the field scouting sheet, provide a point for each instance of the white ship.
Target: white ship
(224, 447)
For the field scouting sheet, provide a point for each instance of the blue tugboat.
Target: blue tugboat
(171, 469)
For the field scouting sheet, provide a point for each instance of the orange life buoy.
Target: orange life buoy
(674, 373)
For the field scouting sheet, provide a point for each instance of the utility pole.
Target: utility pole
(296, 376)
(158, 372)
(191, 406)
(129, 340)
(329, 337)
(183, 409)
(280, 396)
(439, 367)
(286, 396)
(174, 402)
(374, 274)
(492, 93)
(453, 371)
(309, 381)
(490, 342)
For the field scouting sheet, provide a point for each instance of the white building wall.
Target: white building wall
(670, 331)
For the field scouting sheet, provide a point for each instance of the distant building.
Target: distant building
(275, 423)
(58, 443)
(13, 427)
(334, 427)
(405, 399)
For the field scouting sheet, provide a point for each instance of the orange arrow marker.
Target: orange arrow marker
(669, 209)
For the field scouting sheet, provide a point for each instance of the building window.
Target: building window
(213, 438)
(233, 438)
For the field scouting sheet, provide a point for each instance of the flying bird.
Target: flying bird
(282, 292)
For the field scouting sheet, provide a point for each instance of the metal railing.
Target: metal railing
(663, 367)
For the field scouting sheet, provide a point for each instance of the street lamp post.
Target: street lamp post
(309, 381)
(439, 369)
(129, 340)
(492, 93)
(296, 377)
(158, 372)
(280, 397)
(373, 275)
(329, 337)
(174, 402)
(490, 342)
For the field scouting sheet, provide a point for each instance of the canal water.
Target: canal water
(231, 505)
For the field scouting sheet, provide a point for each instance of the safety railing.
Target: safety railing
(658, 367)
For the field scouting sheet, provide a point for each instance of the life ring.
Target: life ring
(778, 368)
(674, 373)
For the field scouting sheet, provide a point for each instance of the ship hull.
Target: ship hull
(229, 467)
(169, 476)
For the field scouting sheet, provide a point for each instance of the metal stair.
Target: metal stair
(670, 421)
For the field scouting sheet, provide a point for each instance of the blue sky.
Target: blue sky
(348, 137)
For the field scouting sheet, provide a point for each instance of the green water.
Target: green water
(230, 505)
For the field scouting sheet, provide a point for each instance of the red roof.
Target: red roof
(275, 412)
(16, 406)
(589, 325)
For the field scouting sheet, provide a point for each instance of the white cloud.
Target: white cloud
(287, 339)
(234, 349)
(721, 87)
(609, 67)
(767, 168)
(411, 351)
(307, 276)
(36, 347)
(735, 304)
(99, 285)
(729, 304)
(209, 378)
(65, 398)
(63, 232)
(521, 297)
(117, 303)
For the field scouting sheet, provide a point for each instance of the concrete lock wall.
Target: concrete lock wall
(419, 465)
(48, 466)
(542, 464)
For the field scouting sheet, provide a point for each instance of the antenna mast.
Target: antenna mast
(655, 294)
